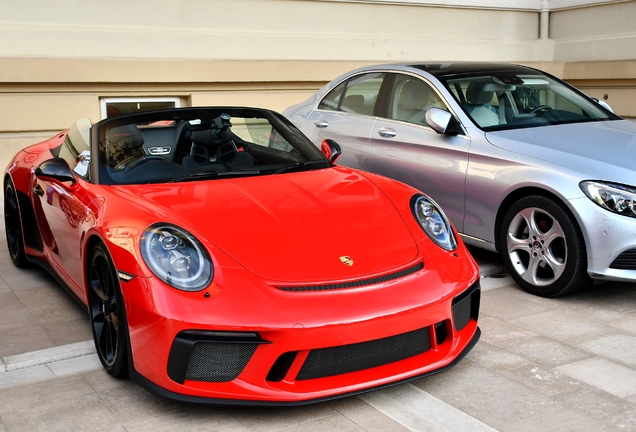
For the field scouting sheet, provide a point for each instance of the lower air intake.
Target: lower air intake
(625, 261)
(466, 307)
(325, 362)
(218, 362)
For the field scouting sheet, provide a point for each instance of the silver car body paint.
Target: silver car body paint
(471, 174)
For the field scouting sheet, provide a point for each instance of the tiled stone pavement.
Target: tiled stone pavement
(564, 364)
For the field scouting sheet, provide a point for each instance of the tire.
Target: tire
(543, 248)
(13, 226)
(107, 313)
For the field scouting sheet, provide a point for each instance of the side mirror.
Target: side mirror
(443, 122)
(331, 150)
(56, 169)
(604, 104)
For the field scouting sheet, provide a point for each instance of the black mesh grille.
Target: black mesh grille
(466, 307)
(357, 283)
(325, 362)
(625, 261)
(218, 362)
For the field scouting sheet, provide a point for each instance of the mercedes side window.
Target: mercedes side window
(331, 102)
(411, 98)
(357, 95)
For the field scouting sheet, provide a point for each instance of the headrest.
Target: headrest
(414, 95)
(79, 135)
(202, 137)
(353, 101)
(476, 93)
(125, 136)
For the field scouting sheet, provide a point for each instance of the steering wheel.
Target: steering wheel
(133, 162)
(540, 108)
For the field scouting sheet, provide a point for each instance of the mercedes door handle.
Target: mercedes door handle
(387, 132)
(321, 124)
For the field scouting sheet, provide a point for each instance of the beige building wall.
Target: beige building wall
(596, 43)
(59, 59)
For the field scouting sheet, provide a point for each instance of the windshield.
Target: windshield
(201, 143)
(509, 101)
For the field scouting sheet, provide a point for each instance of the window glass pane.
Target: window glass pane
(331, 102)
(201, 143)
(508, 100)
(411, 98)
(119, 108)
(113, 107)
(360, 95)
(260, 132)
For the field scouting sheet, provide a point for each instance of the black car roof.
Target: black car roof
(450, 69)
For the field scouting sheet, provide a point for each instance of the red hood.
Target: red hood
(293, 227)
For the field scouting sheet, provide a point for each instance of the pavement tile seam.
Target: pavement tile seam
(48, 355)
(560, 368)
(369, 419)
(418, 410)
(603, 374)
(565, 390)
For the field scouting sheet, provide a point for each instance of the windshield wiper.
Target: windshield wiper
(211, 174)
(296, 165)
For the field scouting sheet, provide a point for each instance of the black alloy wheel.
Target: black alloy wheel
(13, 226)
(107, 313)
(543, 248)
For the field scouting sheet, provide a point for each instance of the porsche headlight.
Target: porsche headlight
(433, 222)
(176, 257)
(617, 198)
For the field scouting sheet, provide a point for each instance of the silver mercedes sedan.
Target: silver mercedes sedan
(521, 162)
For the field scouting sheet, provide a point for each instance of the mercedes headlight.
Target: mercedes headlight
(176, 257)
(433, 222)
(617, 198)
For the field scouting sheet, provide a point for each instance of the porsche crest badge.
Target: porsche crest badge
(346, 260)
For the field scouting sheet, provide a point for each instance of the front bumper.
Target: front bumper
(261, 345)
(610, 241)
(178, 397)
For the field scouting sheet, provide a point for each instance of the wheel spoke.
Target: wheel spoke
(535, 230)
(514, 243)
(555, 233)
(105, 342)
(110, 344)
(528, 215)
(555, 264)
(115, 322)
(13, 242)
(101, 331)
(112, 308)
(530, 275)
(97, 289)
(98, 326)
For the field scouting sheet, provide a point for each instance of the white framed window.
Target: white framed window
(111, 107)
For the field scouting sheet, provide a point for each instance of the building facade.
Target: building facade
(68, 59)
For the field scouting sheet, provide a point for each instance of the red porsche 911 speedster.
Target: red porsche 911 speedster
(224, 259)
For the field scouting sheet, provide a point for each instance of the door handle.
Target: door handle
(38, 190)
(321, 124)
(387, 132)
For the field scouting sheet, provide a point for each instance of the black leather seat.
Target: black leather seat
(214, 153)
